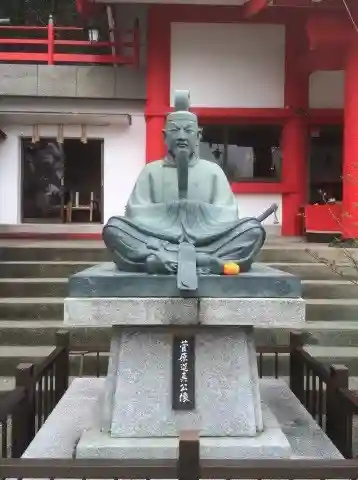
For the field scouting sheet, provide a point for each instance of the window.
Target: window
(246, 153)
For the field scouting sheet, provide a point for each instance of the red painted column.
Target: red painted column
(294, 172)
(158, 80)
(350, 150)
(294, 142)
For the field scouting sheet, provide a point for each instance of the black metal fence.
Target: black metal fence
(321, 389)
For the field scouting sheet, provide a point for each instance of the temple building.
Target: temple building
(274, 84)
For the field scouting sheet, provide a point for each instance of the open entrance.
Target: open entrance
(62, 182)
(326, 164)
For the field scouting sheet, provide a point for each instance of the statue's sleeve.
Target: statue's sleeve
(141, 201)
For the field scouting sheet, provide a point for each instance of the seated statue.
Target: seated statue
(182, 217)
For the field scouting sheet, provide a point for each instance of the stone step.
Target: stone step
(57, 269)
(95, 252)
(58, 287)
(49, 269)
(305, 253)
(316, 271)
(41, 308)
(65, 251)
(51, 308)
(33, 287)
(332, 289)
(11, 356)
(81, 363)
(335, 310)
(43, 332)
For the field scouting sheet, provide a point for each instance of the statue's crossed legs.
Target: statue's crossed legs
(134, 251)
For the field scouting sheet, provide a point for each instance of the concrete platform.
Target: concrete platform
(105, 280)
(259, 312)
(73, 415)
(271, 443)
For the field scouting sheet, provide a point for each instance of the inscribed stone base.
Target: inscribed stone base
(137, 401)
(271, 443)
(75, 414)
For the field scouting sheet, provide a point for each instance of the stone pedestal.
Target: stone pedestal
(227, 398)
(134, 411)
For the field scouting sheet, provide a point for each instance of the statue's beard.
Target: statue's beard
(192, 153)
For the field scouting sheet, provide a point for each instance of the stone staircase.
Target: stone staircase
(33, 283)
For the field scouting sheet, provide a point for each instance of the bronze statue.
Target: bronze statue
(182, 217)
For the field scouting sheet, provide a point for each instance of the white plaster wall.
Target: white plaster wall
(327, 89)
(229, 65)
(10, 177)
(123, 159)
(253, 204)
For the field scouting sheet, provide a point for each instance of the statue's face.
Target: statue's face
(182, 135)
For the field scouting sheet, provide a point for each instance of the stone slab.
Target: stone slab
(95, 81)
(57, 80)
(259, 312)
(105, 280)
(18, 79)
(74, 414)
(142, 392)
(271, 443)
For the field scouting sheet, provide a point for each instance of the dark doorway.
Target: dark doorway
(325, 163)
(249, 153)
(62, 182)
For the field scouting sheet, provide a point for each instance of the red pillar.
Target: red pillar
(350, 151)
(158, 81)
(294, 142)
(294, 173)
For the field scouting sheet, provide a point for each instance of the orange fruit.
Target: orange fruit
(231, 269)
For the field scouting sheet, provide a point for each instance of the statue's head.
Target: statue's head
(181, 129)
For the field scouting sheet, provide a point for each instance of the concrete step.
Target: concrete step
(41, 251)
(83, 363)
(335, 310)
(33, 287)
(31, 308)
(64, 251)
(305, 253)
(316, 271)
(332, 289)
(56, 269)
(51, 308)
(86, 363)
(50, 269)
(43, 332)
(58, 287)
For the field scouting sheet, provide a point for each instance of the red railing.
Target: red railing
(51, 56)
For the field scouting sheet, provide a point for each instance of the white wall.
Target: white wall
(253, 204)
(10, 177)
(327, 89)
(124, 157)
(229, 65)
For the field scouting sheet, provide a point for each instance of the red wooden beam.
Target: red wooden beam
(327, 59)
(253, 7)
(329, 30)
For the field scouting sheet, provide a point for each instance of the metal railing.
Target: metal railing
(321, 389)
(188, 466)
(30, 49)
(38, 389)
